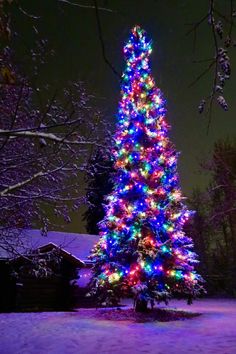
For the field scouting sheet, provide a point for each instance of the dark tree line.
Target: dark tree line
(213, 227)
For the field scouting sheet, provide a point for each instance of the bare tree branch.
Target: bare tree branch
(221, 27)
(67, 2)
(100, 35)
(28, 14)
(48, 136)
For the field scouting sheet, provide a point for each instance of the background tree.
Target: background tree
(43, 154)
(143, 248)
(223, 211)
(202, 232)
(213, 226)
(99, 184)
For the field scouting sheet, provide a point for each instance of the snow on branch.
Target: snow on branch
(44, 152)
(47, 136)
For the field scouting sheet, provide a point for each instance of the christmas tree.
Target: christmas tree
(143, 249)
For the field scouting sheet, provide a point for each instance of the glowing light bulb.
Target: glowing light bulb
(114, 277)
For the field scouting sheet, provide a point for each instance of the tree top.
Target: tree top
(138, 46)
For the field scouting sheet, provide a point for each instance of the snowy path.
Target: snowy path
(72, 333)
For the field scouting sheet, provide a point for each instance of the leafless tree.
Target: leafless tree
(43, 153)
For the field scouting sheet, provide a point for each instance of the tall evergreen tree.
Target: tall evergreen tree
(143, 249)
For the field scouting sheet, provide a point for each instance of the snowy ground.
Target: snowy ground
(77, 333)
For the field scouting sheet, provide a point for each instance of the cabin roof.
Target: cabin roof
(72, 244)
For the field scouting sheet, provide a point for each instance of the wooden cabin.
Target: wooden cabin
(46, 272)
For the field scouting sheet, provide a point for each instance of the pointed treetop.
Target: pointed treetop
(143, 249)
(138, 46)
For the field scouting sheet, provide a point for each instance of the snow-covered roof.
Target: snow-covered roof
(78, 245)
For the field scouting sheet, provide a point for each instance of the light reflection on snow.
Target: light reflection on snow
(78, 333)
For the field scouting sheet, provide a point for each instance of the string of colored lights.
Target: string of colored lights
(142, 239)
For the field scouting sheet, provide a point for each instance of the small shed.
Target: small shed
(59, 279)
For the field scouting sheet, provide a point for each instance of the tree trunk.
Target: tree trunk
(140, 305)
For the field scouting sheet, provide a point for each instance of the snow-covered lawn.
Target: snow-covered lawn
(82, 333)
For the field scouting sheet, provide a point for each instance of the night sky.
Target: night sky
(72, 33)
